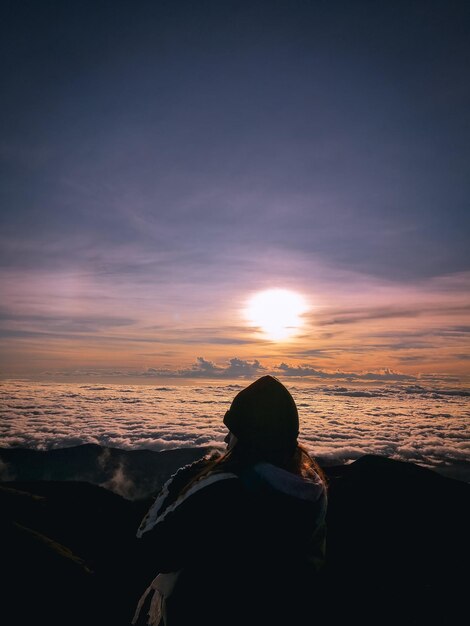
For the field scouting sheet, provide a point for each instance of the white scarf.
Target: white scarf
(163, 584)
(162, 587)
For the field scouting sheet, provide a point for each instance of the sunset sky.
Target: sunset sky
(163, 162)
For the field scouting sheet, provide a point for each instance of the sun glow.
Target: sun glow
(277, 312)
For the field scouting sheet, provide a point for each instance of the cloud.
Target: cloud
(104, 330)
(302, 371)
(438, 378)
(240, 368)
(88, 373)
(122, 484)
(66, 323)
(416, 422)
(355, 316)
(202, 368)
(321, 353)
(237, 368)
(358, 394)
(453, 392)
(371, 313)
(411, 345)
(305, 371)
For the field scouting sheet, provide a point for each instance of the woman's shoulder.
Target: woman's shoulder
(193, 485)
(188, 473)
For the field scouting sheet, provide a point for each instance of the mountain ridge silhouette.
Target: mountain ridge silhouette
(397, 541)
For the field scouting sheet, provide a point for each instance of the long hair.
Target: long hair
(297, 461)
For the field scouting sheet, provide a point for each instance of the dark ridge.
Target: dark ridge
(134, 474)
(130, 473)
(398, 548)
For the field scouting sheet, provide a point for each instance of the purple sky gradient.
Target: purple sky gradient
(163, 161)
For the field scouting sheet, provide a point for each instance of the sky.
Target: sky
(163, 162)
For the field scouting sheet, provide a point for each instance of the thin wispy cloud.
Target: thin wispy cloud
(355, 316)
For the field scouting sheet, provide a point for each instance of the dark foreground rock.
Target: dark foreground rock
(398, 544)
(398, 549)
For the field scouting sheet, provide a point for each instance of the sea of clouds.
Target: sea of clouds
(429, 426)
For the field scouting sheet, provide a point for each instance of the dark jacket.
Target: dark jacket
(247, 545)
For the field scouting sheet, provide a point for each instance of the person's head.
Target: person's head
(263, 425)
(263, 420)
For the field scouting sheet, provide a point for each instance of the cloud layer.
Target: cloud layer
(427, 425)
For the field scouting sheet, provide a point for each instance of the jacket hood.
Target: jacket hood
(288, 484)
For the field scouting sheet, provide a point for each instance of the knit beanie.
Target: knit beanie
(264, 416)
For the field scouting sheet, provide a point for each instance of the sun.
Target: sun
(277, 312)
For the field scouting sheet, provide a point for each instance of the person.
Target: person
(239, 537)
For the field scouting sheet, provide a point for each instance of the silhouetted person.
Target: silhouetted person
(239, 538)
